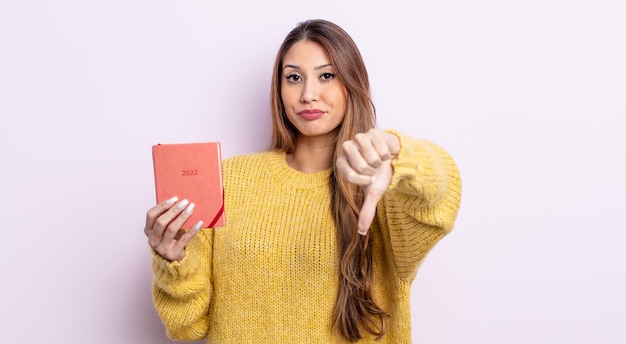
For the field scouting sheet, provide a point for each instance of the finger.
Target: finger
(369, 147)
(379, 143)
(151, 219)
(186, 238)
(361, 154)
(393, 144)
(353, 152)
(174, 227)
(166, 218)
(154, 212)
(368, 210)
(350, 174)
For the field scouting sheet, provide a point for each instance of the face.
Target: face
(314, 99)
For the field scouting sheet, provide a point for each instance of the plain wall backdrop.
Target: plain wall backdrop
(528, 96)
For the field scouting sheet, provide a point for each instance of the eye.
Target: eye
(327, 76)
(293, 78)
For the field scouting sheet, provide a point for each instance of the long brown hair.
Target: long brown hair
(355, 306)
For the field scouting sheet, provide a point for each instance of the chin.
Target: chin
(321, 134)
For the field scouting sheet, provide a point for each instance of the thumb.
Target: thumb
(373, 193)
(368, 209)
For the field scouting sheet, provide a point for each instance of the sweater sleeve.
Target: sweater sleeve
(182, 289)
(421, 202)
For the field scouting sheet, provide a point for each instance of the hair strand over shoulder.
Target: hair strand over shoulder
(355, 309)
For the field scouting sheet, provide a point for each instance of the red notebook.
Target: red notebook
(192, 171)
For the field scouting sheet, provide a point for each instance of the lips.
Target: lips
(311, 114)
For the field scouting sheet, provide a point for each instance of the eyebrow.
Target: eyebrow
(315, 68)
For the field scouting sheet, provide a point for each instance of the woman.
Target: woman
(325, 232)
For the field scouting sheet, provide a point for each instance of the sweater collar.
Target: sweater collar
(287, 175)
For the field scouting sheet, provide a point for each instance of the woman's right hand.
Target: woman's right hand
(163, 223)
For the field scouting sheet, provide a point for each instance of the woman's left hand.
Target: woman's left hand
(366, 161)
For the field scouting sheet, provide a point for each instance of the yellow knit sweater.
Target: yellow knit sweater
(271, 274)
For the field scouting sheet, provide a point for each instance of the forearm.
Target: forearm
(421, 204)
(184, 317)
(182, 291)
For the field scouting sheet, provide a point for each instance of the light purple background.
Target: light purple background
(528, 96)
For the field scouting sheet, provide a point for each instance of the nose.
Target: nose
(309, 92)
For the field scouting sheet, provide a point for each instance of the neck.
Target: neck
(311, 155)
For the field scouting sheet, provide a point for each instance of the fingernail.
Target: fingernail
(182, 204)
(189, 209)
(362, 233)
(171, 200)
(373, 179)
(197, 226)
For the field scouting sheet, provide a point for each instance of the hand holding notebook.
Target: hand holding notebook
(190, 193)
(163, 228)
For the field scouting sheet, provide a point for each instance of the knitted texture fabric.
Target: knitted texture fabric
(271, 275)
